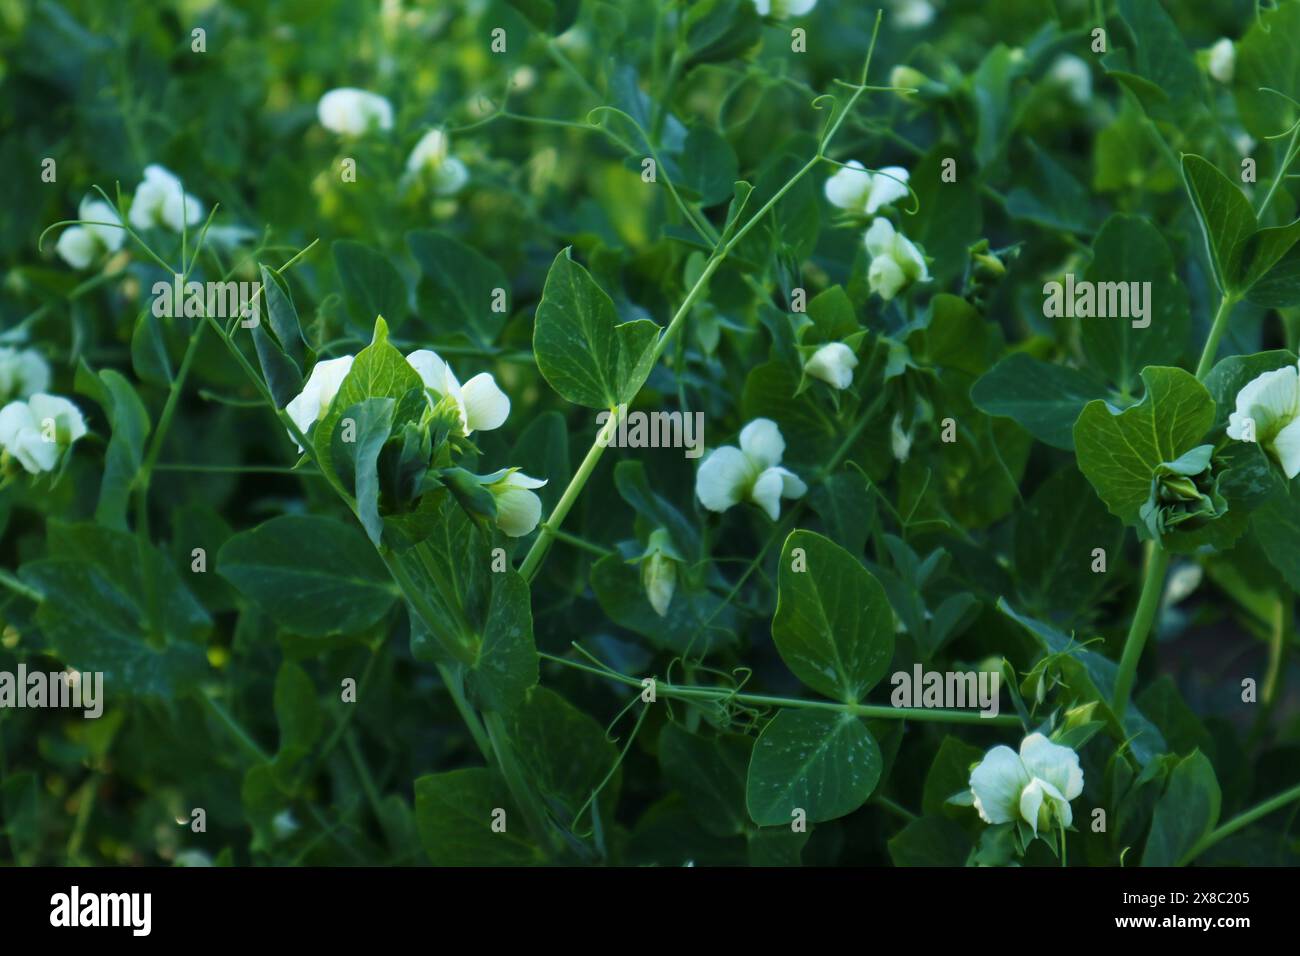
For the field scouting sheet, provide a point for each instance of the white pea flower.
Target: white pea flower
(518, 509)
(80, 246)
(1268, 411)
(752, 472)
(1072, 73)
(859, 191)
(22, 374)
(780, 9)
(1035, 785)
(161, 200)
(353, 112)
(913, 14)
(1223, 60)
(481, 403)
(895, 261)
(900, 442)
(310, 405)
(38, 431)
(447, 174)
(833, 364)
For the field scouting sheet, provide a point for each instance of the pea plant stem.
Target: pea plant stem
(1157, 559)
(719, 694)
(1240, 821)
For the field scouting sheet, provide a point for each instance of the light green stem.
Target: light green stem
(1153, 586)
(1217, 328)
(716, 694)
(1241, 820)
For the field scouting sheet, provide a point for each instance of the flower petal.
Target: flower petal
(723, 478)
(1054, 763)
(761, 440)
(518, 511)
(486, 406)
(850, 187)
(1286, 445)
(887, 186)
(880, 237)
(997, 783)
(766, 492)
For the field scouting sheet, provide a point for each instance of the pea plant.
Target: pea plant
(742, 432)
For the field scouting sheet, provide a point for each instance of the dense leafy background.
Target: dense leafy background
(224, 686)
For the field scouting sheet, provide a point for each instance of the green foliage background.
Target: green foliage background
(223, 687)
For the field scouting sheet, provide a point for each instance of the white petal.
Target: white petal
(1271, 399)
(486, 406)
(518, 511)
(910, 259)
(792, 486)
(67, 416)
(353, 112)
(834, 364)
(885, 277)
(1223, 60)
(766, 492)
(431, 150)
(179, 210)
(849, 187)
(517, 479)
(1286, 445)
(761, 440)
(110, 237)
(996, 785)
(1031, 803)
(1054, 763)
(433, 371)
(31, 373)
(724, 478)
(78, 247)
(887, 186)
(146, 206)
(880, 237)
(14, 418)
(451, 177)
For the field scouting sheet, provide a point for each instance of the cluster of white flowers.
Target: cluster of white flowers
(752, 472)
(352, 112)
(160, 200)
(1035, 785)
(896, 263)
(35, 428)
(1268, 412)
(480, 404)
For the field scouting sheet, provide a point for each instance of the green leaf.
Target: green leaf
(993, 103)
(549, 16)
(464, 284)
(1055, 536)
(708, 167)
(129, 422)
(104, 592)
(506, 666)
(314, 575)
(283, 377)
(710, 773)
(720, 30)
(1187, 811)
(1158, 67)
(565, 754)
(357, 460)
(1277, 527)
(833, 627)
(1226, 219)
(1042, 398)
(581, 352)
(930, 841)
(697, 620)
(149, 352)
(379, 371)
(298, 714)
(1130, 249)
(1055, 199)
(371, 283)
(278, 307)
(822, 763)
(948, 774)
(1119, 452)
(847, 507)
(454, 813)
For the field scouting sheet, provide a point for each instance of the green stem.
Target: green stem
(1241, 820)
(1217, 328)
(539, 824)
(715, 694)
(1281, 173)
(1157, 562)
